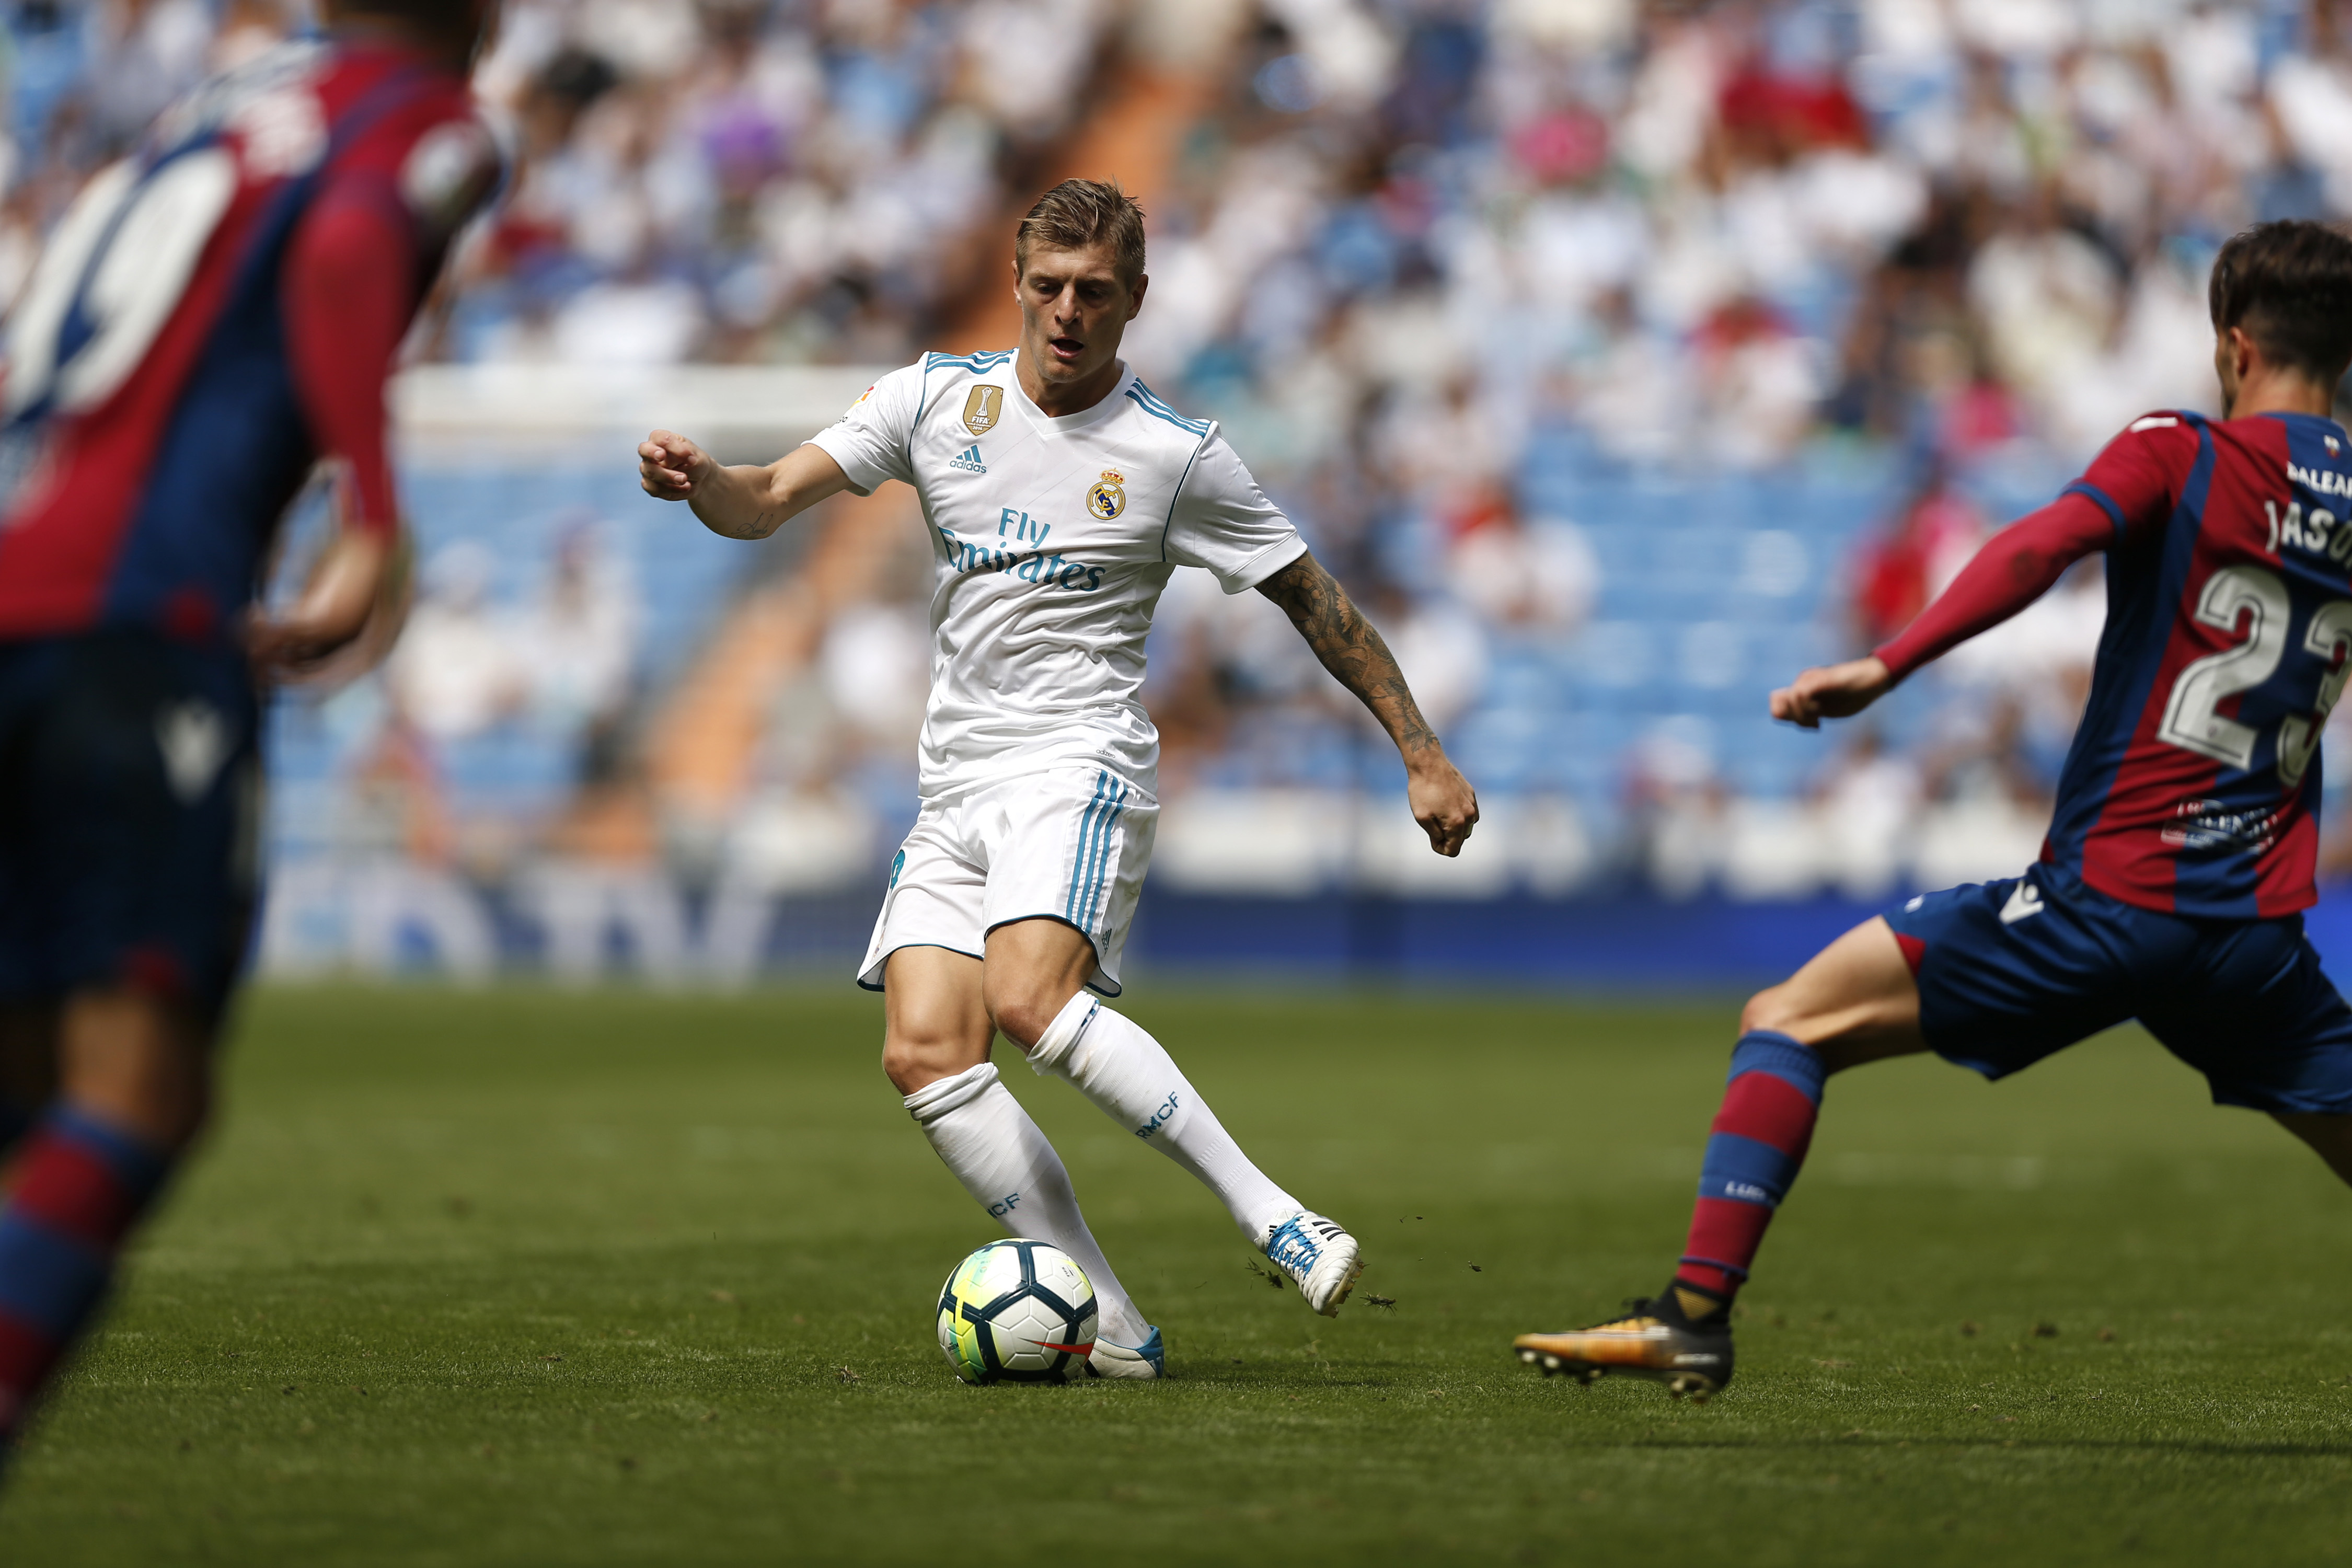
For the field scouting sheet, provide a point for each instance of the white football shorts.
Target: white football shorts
(1070, 845)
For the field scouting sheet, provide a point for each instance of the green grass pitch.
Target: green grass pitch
(522, 1277)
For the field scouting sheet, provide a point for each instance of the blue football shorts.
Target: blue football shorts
(129, 800)
(2011, 971)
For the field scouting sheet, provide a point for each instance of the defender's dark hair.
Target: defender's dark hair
(2289, 285)
(456, 20)
(1080, 212)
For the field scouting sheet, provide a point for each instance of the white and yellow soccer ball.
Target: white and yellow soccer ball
(1017, 1311)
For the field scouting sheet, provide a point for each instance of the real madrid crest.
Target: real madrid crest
(1109, 498)
(982, 409)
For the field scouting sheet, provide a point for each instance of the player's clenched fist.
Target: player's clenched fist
(668, 466)
(1833, 691)
(1444, 804)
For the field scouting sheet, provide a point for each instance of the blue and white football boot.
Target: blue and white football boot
(1318, 1255)
(1144, 1364)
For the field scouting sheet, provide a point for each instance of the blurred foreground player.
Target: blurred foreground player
(1061, 495)
(2182, 847)
(215, 314)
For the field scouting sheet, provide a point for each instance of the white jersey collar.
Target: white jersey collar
(1069, 422)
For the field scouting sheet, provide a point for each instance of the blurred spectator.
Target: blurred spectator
(1867, 801)
(1760, 381)
(1677, 808)
(144, 53)
(457, 668)
(396, 805)
(876, 666)
(1538, 578)
(746, 180)
(1985, 761)
(1898, 574)
(578, 642)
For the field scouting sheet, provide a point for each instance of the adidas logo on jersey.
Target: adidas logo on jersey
(969, 460)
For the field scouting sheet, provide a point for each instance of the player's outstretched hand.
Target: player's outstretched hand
(1832, 692)
(669, 466)
(1442, 802)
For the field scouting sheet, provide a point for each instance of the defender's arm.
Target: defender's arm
(1354, 652)
(2016, 566)
(351, 289)
(740, 502)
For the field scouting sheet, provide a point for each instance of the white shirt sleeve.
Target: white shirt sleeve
(872, 442)
(1223, 521)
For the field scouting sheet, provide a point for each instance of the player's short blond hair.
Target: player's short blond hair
(1076, 213)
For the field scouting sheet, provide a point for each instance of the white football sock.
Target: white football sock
(1003, 1160)
(1132, 1081)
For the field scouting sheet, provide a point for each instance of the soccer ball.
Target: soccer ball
(1016, 1311)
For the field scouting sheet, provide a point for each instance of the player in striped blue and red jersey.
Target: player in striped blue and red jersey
(2182, 848)
(214, 316)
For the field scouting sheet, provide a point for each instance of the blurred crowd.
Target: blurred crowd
(1411, 231)
(1430, 258)
(724, 180)
(1436, 263)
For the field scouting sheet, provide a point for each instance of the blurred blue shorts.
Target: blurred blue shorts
(129, 801)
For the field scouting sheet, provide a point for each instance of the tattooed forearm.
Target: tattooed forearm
(1350, 648)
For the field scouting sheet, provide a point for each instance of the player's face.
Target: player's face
(1074, 307)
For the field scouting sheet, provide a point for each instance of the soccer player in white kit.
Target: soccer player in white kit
(1060, 493)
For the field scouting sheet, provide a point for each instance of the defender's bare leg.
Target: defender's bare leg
(1853, 1002)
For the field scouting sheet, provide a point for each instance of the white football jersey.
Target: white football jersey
(1052, 540)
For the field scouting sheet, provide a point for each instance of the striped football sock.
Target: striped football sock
(1753, 1153)
(78, 1186)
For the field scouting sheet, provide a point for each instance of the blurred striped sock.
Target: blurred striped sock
(77, 1187)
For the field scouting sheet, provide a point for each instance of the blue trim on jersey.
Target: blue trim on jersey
(2107, 503)
(922, 401)
(2145, 582)
(975, 363)
(1173, 497)
(1151, 403)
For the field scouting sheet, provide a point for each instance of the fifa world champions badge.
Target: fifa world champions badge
(982, 409)
(1109, 498)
